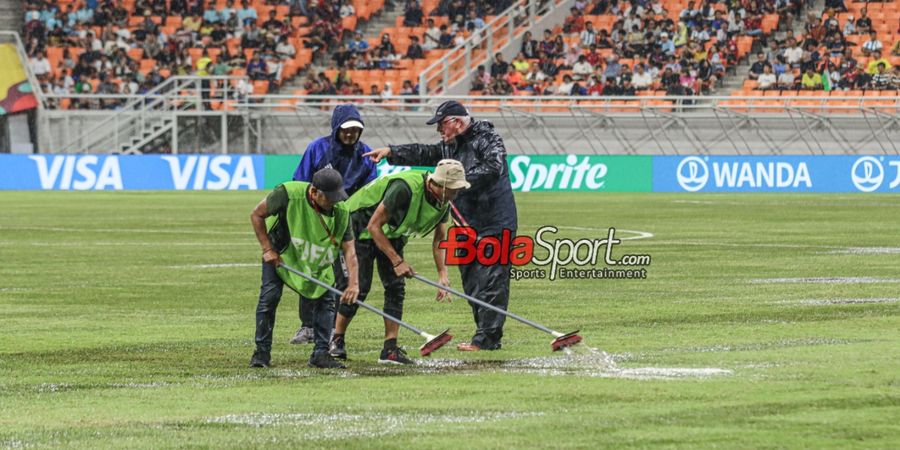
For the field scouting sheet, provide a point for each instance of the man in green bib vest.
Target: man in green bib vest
(384, 214)
(303, 225)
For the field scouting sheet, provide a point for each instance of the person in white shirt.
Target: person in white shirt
(641, 79)
(40, 66)
(347, 10)
(285, 49)
(872, 45)
(566, 87)
(432, 36)
(786, 79)
(588, 35)
(793, 53)
(849, 27)
(767, 79)
(582, 69)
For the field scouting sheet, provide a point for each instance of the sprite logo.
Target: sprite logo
(573, 173)
(587, 173)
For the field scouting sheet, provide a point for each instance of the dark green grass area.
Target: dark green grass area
(127, 321)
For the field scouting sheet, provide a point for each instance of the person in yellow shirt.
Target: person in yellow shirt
(203, 63)
(877, 59)
(521, 64)
(811, 81)
(192, 23)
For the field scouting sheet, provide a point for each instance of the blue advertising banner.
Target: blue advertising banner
(114, 172)
(625, 174)
(776, 174)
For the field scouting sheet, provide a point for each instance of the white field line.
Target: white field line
(837, 301)
(129, 230)
(866, 251)
(129, 244)
(824, 280)
(213, 266)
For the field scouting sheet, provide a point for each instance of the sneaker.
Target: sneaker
(305, 335)
(395, 355)
(260, 359)
(336, 348)
(325, 361)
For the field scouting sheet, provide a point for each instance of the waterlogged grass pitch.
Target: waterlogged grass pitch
(764, 321)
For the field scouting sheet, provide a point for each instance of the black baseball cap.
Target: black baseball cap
(447, 109)
(330, 182)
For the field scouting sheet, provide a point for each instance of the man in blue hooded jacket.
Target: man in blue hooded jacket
(342, 150)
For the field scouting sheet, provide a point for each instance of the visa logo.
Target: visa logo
(212, 172)
(78, 173)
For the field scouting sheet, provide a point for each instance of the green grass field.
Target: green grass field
(118, 330)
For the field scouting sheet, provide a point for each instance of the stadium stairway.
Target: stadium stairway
(736, 81)
(12, 14)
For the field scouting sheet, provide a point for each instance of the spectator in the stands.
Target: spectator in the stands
(641, 79)
(346, 10)
(877, 59)
(358, 44)
(811, 80)
(474, 23)
(386, 45)
(665, 45)
(415, 50)
(767, 80)
(446, 39)
(882, 78)
(872, 45)
(481, 80)
(757, 68)
(566, 87)
(413, 15)
(864, 23)
(530, 47)
(521, 64)
(850, 26)
(257, 69)
(574, 23)
(588, 35)
(499, 66)
(582, 69)
(432, 36)
(786, 79)
(40, 65)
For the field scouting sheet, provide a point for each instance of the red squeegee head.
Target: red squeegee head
(435, 343)
(566, 340)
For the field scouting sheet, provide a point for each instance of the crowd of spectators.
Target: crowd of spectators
(644, 47)
(829, 57)
(128, 47)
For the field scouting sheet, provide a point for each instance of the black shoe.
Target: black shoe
(395, 355)
(336, 348)
(325, 361)
(260, 359)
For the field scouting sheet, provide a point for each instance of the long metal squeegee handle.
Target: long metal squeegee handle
(360, 303)
(487, 305)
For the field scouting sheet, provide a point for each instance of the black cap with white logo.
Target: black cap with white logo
(449, 108)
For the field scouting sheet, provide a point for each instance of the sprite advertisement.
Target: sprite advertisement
(534, 173)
